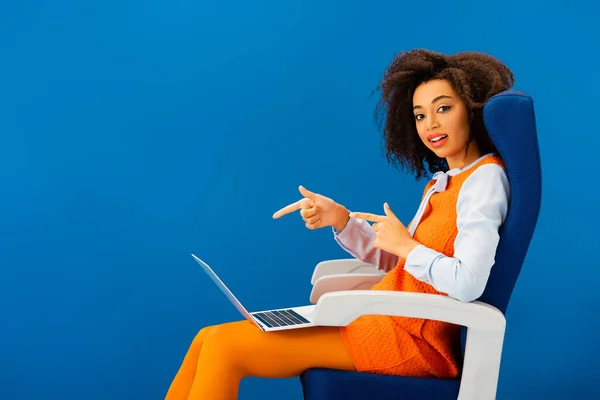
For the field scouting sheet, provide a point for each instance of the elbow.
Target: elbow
(466, 297)
(468, 288)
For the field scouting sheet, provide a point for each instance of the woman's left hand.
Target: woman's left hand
(390, 234)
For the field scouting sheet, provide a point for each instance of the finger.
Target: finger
(315, 225)
(375, 227)
(309, 212)
(303, 203)
(389, 213)
(387, 210)
(313, 220)
(307, 193)
(368, 216)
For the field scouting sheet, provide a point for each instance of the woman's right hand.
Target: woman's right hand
(317, 211)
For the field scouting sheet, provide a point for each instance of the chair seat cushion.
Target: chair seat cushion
(321, 384)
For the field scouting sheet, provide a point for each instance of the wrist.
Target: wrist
(343, 216)
(406, 248)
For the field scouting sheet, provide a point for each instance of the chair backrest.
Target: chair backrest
(509, 118)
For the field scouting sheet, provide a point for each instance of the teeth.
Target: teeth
(438, 138)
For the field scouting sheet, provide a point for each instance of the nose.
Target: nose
(431, 123)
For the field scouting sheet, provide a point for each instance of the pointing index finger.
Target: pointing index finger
(368, 216)
(302, 203)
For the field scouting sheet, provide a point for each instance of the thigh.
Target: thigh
(278, 354)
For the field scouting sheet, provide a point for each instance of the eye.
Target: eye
(444, 108)
(419, 117)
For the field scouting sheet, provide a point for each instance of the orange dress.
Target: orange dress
(412, 346)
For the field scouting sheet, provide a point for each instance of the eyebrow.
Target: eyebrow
(434, 100)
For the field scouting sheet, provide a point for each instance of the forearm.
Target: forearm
(464, 281)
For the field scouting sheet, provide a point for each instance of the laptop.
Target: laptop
(270, 320)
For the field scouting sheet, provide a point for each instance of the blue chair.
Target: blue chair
(342, 284)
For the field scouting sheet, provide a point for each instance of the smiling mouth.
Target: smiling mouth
(438, 138)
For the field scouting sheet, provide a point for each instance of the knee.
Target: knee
(219, 338)
(226, 343)
(200, 337)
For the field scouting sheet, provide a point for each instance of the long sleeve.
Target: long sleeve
(481, 210)
(357, 239)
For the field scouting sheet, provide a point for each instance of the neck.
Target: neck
(464, 158)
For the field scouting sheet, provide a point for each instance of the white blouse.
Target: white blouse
(481, 210)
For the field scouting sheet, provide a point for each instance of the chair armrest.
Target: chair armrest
(344, 266)
(485, 328)
(334, 283)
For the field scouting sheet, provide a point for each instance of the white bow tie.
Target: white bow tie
(441, 181)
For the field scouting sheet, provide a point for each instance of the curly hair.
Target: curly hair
(474, 76)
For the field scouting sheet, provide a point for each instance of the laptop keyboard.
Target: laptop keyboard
(277, 318)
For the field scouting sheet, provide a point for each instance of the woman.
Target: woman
(432, 105)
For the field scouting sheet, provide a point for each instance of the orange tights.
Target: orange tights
(220, 356)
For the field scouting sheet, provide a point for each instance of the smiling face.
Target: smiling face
(442, 121)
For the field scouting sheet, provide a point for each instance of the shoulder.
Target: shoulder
(485, 191)
(489, 172)
(487, 176)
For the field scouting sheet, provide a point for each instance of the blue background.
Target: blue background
(137, 132)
